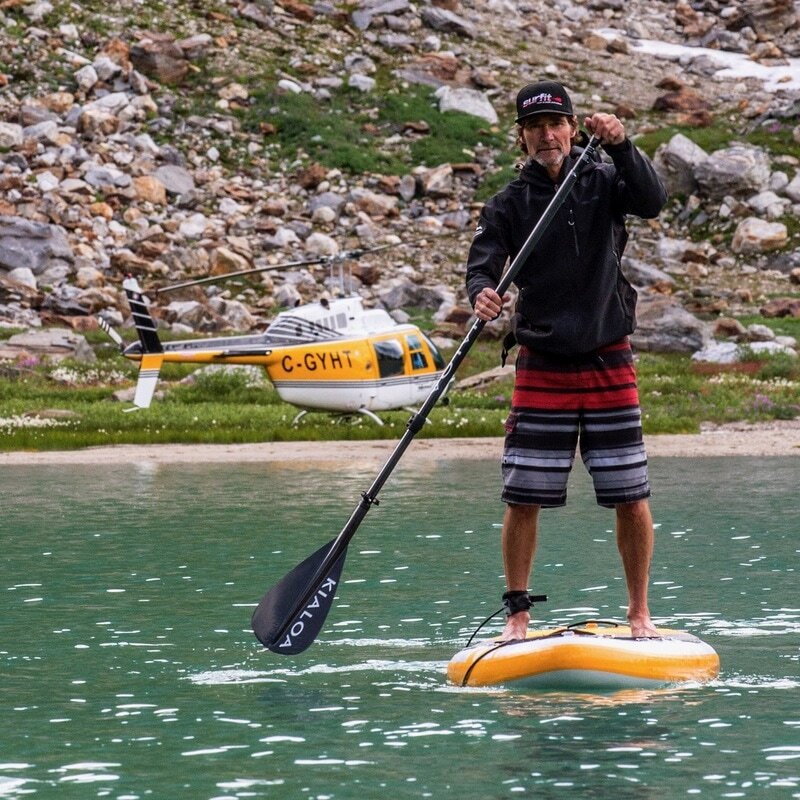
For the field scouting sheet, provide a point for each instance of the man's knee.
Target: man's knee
(637, 511)
(522, 509)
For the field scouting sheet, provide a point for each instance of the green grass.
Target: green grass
(676, 395)
(496, 179)
(349, 131)
(781, 326)
(775, 137)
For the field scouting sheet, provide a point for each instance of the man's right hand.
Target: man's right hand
(489, 304)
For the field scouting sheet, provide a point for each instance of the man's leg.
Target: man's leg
(635, 542)
(519, 545)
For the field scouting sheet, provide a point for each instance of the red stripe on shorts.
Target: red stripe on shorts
(603, 380)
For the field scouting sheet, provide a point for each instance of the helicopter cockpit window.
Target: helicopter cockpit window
(438, 360)
(418, 358)
(390, 357)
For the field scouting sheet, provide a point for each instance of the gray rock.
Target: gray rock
(440, 19)
(32, 245)
(401, 293)
(46, 132)
(768, 204)
(664, 326)
(235, 313)
(288, 296)
(86, 77)
(23, 275)
(259, 13)
(54, 344)
(760, 333)
(362, 17)
(676, 162)
(176, 180)
(718, 353)
(10, 135)
(738, 170)
(320, 244)
(772, 348)
(641, 274)
(467, 101)
(361, 82)
(107, 176)
(792, 189)
(407, 188)
(106, 69)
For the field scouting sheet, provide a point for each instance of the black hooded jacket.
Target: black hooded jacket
(573, 297)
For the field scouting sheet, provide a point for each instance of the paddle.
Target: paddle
(292, 612)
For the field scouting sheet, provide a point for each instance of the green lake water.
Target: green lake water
(129, 669)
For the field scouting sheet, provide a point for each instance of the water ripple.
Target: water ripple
(778, 624)
(279, 675)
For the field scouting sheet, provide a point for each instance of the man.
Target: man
(575, 380)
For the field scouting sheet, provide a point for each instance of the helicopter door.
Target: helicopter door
(390, 357)
(416, 353)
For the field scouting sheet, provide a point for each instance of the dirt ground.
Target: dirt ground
(740, 439)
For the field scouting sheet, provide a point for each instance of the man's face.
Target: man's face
(548, 138)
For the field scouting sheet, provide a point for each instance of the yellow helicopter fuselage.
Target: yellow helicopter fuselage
(354, 370)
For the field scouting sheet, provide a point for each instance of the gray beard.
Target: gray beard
(543, 163)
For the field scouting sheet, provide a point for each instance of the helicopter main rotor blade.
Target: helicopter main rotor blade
(343, 256)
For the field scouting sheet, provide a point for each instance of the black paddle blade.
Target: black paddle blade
(276, 622)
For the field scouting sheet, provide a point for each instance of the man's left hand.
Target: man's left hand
(606, 127)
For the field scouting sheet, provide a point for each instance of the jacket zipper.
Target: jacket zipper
(571, 221)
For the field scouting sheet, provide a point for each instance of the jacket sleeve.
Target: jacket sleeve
(488, 254)
(639, 189)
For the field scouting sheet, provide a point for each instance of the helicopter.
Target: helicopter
(332, 355)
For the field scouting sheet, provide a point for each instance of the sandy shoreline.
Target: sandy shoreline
(767, 439)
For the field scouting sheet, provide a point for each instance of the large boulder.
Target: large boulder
(467, 101)
(738, 170)
(32, 245)
(755, 235)
(664, 326)
(676, 162)
(51, 344)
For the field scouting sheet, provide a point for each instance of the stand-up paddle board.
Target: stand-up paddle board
(586, 655)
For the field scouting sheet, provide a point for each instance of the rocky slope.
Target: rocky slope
(147, 140)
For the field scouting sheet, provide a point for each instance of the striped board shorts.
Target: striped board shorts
(561, 402)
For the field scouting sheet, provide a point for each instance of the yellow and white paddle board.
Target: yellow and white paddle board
(591, 654)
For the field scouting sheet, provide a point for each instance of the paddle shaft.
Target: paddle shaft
(370, 497)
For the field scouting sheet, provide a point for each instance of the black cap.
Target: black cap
(543, 97)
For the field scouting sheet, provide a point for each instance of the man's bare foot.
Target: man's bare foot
(516, 627)
(642, 628)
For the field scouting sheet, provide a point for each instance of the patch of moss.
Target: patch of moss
(350, 133)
